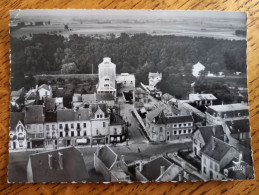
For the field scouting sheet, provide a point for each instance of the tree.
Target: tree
(66, 27)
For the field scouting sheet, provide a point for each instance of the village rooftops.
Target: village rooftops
(229, 107)
(152, 169)
(63, 165)
(89, 98)
(15, 117)
(116, 119)
(17, 93)
(95, 107)
(50, 103)
(153, 113)
(201, 97)
(238, 126)
(81, 114)
(208, 131)
(107, 156)
(50, 117)
(179, 119)
(217, 149)
(34, 114)
(104, 97)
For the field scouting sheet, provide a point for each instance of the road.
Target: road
(136, 135)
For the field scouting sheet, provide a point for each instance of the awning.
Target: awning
(80, 141)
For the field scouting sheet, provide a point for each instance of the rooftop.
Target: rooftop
(207, 132)
(17, 93)
(15, 117)
(238, 126)
(50, 117)
(34, 114)
(107, 156)
(104, 97)
(151, 170)
(74, 169)
(88, 98)
(81, 114)
(116, 119)
(198, 97)
(44, 86)
(50, 103)
(229, 107)
(220, 150)
(179, 119)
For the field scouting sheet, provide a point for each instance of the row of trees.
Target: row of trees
(139, 54)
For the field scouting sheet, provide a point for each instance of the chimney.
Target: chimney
(162, 170)
(60, 160)
(213, 144)
(140, 166)
(50, 161)
(98, 150)
(123, 158)
(214, 130)
(240, 158)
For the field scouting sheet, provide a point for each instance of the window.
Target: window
(101, 116)
(47, 127)
(66, 134)
(184, 124)
(216, 167)
(184, 131)
(180, 132)
(53, 135)
(78, 126)
(175, 132)
(20, 144)
(161, 129)
(97, 132)
(115, 131)
(72, 134)
(97, 115)
(175, 125)
(103, 124)
(180, 125)
(28, 126)
(189, 130)
(168, 125)
(60, 126)
(84, 125)
(84, 133)
(72, 125)
(48, 135)
(189, 124)
(211, 164)
(204, 170)
(40, 127)
(53, 127)
(204, 160)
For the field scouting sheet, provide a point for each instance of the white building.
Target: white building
(44, 91)
(202, 99)
(154, 78)
(126, 80)
(197, 68)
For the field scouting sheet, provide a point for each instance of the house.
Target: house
(100, 121)
(197, 68)
(202, 99)
(30, 97)
(44, 91)
(17, 131)
(34, 119)
(141, 95)
(88, 99)
(203, 134)
(166, 97)
(158, 169)
(217, 114)
(77, 101)
(155, 125)
(117, 128)
(74, 126)
(126, 80)
(216, 155)
(15, 95)
(107, 77)
(50, 130)
(179, 128)
(105, 98)
(110, 165)
(154, 78)
(63, 165)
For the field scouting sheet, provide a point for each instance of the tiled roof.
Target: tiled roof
(88, 98)
(81, 114)
(198, 97)
(220, 150)
(50, 117)
(180, 119)
(104, 97)
(17, 93)
(151, 170)
(107, 156)
(34, 114)
(116, 119)
(207, 132)
(153, 113)
(44, 86)
(15, 117)
(74, 169)
(167, 96)
(229, 107)
(50, 103)
(238, 126)
(95, 107)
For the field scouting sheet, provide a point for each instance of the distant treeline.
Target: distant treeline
(139, 54)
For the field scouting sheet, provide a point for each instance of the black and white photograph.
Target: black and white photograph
(128, 96)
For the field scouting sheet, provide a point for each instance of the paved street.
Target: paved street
(136, 135)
